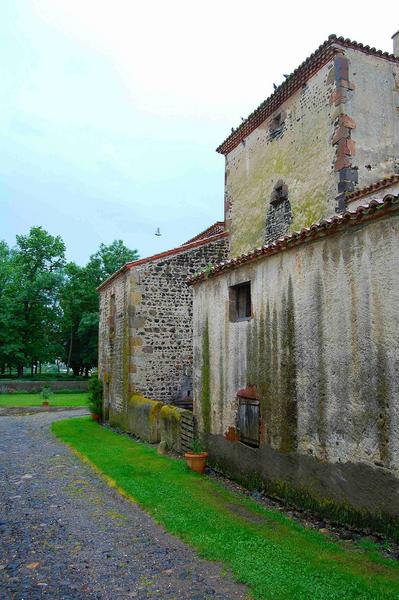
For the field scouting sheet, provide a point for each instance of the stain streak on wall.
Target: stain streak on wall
(322, 352)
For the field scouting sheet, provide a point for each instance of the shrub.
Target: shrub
(95, 399)
(46, 393)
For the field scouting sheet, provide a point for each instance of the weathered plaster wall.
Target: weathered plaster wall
(146, 348)
(302, 156)
(322, 350)
(374, 106)
(341, 131)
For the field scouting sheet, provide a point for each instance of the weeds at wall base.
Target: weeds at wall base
(382, 525)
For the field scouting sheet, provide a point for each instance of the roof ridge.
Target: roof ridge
(171, 252)
(294, 81)
(217, 227)
(372, 187)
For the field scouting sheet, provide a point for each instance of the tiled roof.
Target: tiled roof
(217, 227)
(374, 209)
(166, 254)
(294, 82)
(374, 187)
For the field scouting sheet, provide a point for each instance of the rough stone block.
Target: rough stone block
(346, 121)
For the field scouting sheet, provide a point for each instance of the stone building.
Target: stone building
(145, 341)
(296, 337)
(292, 337)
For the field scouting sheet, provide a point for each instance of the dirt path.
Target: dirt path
(65, 535)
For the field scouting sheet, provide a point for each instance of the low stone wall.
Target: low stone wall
(154, 422)
(19, 385)
(170, 420)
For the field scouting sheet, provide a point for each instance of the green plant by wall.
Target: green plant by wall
(206, 388)
(95, 398)
(205, 271)
(46, 393)
(196, 446)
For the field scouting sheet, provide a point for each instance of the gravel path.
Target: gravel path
(65, 535)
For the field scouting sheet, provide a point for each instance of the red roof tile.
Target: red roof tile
(374, 187)
(217, 227)
(294, 82)
(364, 213)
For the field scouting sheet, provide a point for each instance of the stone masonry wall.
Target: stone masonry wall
(321, 352)
(113, 338)
(145, 341)
(160, 322)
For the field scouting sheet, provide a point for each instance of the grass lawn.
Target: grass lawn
(276, 557)
(15, 400)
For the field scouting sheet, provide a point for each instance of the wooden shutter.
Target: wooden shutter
(249, 421)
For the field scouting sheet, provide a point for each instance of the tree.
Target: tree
(109, 259)
(49, 309)
(79, 301)
(37, 261)
(9, 338)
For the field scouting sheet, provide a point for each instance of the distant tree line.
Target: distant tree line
(48, 307)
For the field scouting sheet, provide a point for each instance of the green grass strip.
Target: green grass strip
(16, 400)
(276, 557)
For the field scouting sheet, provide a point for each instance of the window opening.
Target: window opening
(249, 421)
(240, 302)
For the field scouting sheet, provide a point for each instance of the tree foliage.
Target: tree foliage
(49, 308)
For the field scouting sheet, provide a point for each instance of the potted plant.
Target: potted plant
(95, 399)
(196, 458)
(45, 395)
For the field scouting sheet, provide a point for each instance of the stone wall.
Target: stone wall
(338, 132)
(160, 322)
(321, 354)
(146, 326)
(113, 359)
(153, 422)
(13, 385)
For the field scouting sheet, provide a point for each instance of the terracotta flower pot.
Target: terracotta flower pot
(196, 462)
(45, 403)
(95, 416)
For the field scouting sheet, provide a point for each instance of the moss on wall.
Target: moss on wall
(301, 157)
(125, 357)
(273, 372)
(205, 372)
(170, 417)
(143, 418)
(320, 375)
(288, 373)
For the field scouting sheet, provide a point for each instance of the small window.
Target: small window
(276, 122)
(249, 421)
(240, 302)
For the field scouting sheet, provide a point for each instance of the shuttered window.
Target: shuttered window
(249, 421)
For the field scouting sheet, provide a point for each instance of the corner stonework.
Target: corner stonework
(342, 140)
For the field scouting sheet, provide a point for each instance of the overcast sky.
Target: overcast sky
(110, 111)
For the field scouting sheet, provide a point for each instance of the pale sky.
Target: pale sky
(110, 111)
